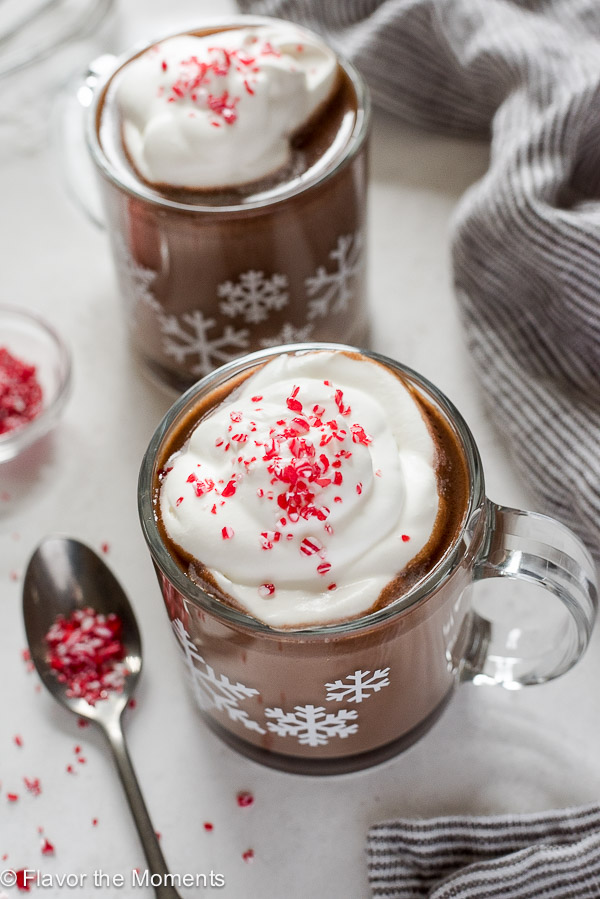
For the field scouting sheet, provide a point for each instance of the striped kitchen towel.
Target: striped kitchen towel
(555, 855)
(526, 238)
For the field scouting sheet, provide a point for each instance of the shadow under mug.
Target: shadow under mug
(340, 697)
(203, 283)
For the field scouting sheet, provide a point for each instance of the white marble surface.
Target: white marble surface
(492, 751)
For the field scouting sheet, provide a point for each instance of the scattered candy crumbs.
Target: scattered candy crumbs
(19, 740)
(20, 879)
(208, 827)
(248, 855)
(33, 785)
(80, 758)
(85, 651)
(20, 392)
(105, 547)
(245, 799)
(47, 847)
(12, 797)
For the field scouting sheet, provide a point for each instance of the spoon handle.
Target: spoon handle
(154, 857)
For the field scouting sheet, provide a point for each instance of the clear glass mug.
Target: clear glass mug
(203, 284)
(340, 697)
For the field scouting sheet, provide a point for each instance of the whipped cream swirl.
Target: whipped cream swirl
(307, 490)
(218, 110)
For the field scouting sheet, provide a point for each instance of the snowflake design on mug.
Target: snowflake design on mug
(312, 725)
(358, 686)
(288, 334)
(187, 337)
(212, 690)
(331, 291)
(137, 278)
(253, 296)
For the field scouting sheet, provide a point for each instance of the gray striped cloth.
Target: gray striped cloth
(526, 255)
(554, 855)
(526, 238)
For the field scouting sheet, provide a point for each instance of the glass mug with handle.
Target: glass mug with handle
(317, 518)
(230, 167)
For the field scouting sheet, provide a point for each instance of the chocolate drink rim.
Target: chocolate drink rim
(176, 576)
(137, 188)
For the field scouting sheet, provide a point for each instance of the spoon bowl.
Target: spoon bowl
(64, 575)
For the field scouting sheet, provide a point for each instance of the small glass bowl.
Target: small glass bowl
(35, 342)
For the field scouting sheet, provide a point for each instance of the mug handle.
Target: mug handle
(74, 159)
(537, 550)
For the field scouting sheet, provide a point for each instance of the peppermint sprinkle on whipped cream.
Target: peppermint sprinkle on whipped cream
(218, 110)
(307, 490)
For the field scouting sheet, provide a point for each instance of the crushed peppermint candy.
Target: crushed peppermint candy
(33, 785)
(21, 393)
(86, 652)
(321, 498)
(197, 79)
(22, 877)
(245, 799)
(47, 847)
(301, 469)
(305, 452)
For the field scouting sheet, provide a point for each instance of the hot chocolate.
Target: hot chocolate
(234, 181)
(316, 516)
(296, 503)
(319, 489)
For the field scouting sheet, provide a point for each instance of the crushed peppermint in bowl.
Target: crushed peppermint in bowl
(35, 375)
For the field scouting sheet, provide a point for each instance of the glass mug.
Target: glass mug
(204, 283)
(340, 697)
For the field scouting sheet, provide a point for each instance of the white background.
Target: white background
(492, 751)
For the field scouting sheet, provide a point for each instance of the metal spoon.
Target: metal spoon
(63, 575)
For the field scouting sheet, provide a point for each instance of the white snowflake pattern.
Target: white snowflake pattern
(312, 725)
(358, 686)
(212, 690)
(288, 334)
(137, 278)
(253, 296)
(332, 290)
(187, 336)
